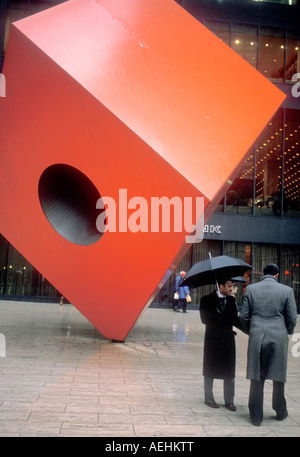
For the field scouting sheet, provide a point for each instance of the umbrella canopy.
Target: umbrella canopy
(214, 270)
(239, 279)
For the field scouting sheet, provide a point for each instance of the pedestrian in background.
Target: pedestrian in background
(179, 277)
(184, 292)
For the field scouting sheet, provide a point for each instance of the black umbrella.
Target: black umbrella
(239, 279)
(213, 270)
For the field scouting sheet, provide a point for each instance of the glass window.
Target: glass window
(292, 55)
(268, 173)
(271, 53)
(291, 201)
(219, 28)
(3, 264)
(19, 278)
(285, 2)
(12, 15)
(221, 205)
(239, 197)
(244, 42)
(290, 271)
(262, 254)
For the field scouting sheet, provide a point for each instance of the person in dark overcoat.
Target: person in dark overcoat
(268, 315)
(218, 312)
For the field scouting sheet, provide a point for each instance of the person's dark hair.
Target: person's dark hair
(271, 269)
(223, 280)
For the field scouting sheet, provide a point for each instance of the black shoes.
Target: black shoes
(255, 422)
(212, 404)
(281, 417)
(230, 406)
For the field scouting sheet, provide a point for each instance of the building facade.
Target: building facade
(258, 218)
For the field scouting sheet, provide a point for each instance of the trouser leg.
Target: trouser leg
(182, 304)
(228, 388)
(208, 390)
(278, 398)
(256, 399)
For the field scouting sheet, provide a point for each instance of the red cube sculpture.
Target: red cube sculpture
(132, 100)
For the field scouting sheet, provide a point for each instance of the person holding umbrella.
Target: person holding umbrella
(218, 312)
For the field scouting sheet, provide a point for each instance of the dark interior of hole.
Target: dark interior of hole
(68, 199)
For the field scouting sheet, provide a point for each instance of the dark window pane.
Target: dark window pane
(271, 53)
(219, 28)
(262, 254)
(292, 55)
(244, 42)
(290, 271)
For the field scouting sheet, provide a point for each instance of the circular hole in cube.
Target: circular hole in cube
(68, 198)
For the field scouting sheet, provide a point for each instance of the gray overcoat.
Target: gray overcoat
(268, 315)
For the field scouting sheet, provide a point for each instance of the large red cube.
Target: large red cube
(118, 99)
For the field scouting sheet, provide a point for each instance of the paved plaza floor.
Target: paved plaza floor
(60, 378)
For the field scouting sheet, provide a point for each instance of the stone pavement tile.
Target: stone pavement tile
(55, 417)
(169, 430)
(23, 428)
(99, 409)
(113, 418)
(26, 406)
(100, 430)
(130, 401)
(238, 431)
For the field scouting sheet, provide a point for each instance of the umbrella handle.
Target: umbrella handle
(218, 288)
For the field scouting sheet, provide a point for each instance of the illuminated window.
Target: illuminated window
(268, 172)
(271, 53)
(244, 42)
(292, 54)
(291, 172)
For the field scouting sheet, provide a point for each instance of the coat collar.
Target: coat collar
(219, 294)
(268, 277)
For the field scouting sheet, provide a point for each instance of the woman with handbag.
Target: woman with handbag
(184, 297)
(179, 295)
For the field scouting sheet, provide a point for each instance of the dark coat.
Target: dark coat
(269, 314)
(219, 343)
